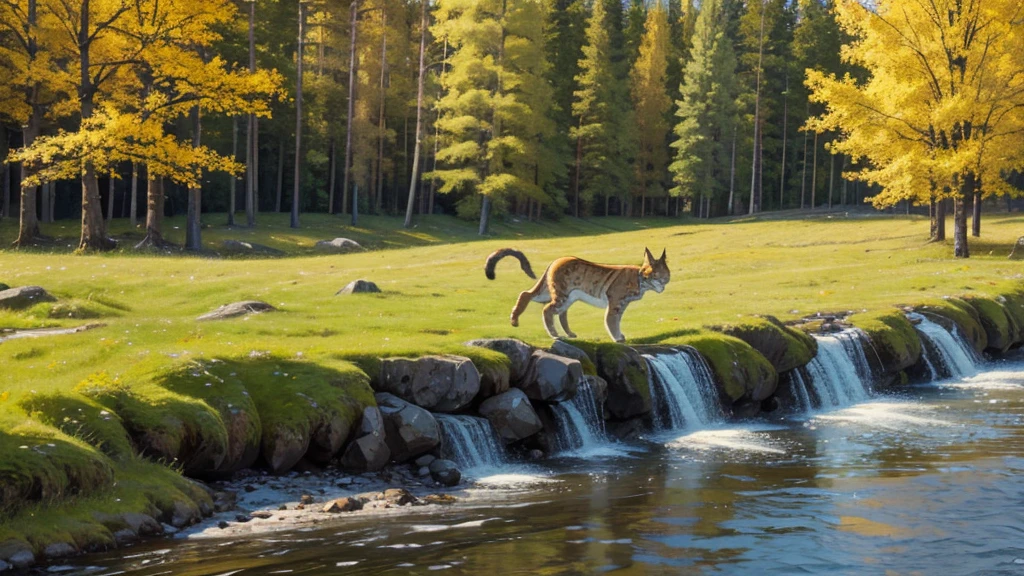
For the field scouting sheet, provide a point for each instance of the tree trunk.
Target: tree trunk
(814, 172)
(28, 227)
(842, 190)
(755, 189)
(424, 20)
(803, 176)
(579, 162)
(94, 232)
(353, 18)
(110, 199)
(44, 203)
(785, 122)
(299, 57)
(732, 172)
(280, 175)
(250, 135)
(134, 205)
(232, 181)
(380, 115)
(193, 230)
(966, 193)
(485, 213)
(831, 178)
(332, 176)
(933, 222)
(154, 212)
(976, 216)
(940, 221)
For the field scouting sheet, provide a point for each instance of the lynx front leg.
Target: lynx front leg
(612, 319)
(564, 319)
(549, 318)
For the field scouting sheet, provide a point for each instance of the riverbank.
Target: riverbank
(111, 416)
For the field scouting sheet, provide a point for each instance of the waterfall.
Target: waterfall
(800, 390)
(469, 441)
(580, 421)
(683, 392)
(946, 354)
(840, 373)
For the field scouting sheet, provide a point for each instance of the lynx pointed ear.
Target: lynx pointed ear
(662, 259)
(648, 257)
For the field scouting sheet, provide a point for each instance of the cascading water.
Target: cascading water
(469, 441)
(683, 390)
(840, 373)
(801, 392)
(946, 353)
(580, 421)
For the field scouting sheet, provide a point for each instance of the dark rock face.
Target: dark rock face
(551, 378)
(563, 348)
(343, 505)
(437, 383)
(369, 452)
(445, 472)
(511, 415)
(23, 297)
(338, 246)
(625, 371)
(411, 430)
(518, 352)
(236, 309)
(358, 287)
(240, 247)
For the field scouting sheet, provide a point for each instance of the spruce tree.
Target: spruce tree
(651, 104)
(706, 110)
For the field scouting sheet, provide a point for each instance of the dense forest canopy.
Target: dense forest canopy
(533, 108)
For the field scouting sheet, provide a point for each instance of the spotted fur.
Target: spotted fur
(569, 280)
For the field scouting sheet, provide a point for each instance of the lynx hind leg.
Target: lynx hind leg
(612, 320)
(563, 318)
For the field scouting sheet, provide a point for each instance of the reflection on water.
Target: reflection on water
(930, 482)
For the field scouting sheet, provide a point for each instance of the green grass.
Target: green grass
(138, 367)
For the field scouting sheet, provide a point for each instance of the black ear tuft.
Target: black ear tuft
(662, 255)
(647, 255)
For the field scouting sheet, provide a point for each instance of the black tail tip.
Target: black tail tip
(489, 274)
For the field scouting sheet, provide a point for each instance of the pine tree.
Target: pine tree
(603, 125)
(651, 105)
(706, 111)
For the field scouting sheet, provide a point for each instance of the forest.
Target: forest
(536, 109)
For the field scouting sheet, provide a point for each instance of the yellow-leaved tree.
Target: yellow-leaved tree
(942, 112)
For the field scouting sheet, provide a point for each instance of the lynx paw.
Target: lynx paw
(514, 321)
(571, 334)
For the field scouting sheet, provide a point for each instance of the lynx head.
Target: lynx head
(654, 273)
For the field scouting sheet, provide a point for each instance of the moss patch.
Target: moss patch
(741, 372)
(893, 338)
(625, 371)
(999, 327)
(786, 348)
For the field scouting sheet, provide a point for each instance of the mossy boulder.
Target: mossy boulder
(961, 314)
(82, 418)
(437, 383)
(518, 354)
(893, 338)
(786, 348)
(625, 371)
(741, 372)
(1013, 305)
(1000, 327)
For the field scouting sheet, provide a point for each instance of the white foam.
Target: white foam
(734, 439)
(888, 415)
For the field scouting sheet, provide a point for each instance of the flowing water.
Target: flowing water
(947, 354)
(580, 422)
(683, 392)
(925, 481)
(470, 442)
(840, 374)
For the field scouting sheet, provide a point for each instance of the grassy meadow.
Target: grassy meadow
(61, 397)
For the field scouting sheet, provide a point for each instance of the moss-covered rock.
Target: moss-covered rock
(960, 313)
(741, 372)
(1013, 305)
(625, 371)
(786, 348)
(1001, 329)
(893, 339)
(82, 418)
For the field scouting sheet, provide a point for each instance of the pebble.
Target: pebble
(222, 524)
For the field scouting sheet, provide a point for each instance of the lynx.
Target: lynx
(570, 279)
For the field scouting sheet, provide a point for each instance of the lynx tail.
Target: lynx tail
(493, 259)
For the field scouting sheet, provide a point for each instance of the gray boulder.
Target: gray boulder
(59, 550)
(236, 309)
(17, 553)
(511, 415)
(552, 378)
(23, 297)
(445, 472)
(241, 247)
(563, 348)
(368, 452)
(410, 430)
(338, 246)
(437, 383)
(358, 287)
(518, 352)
